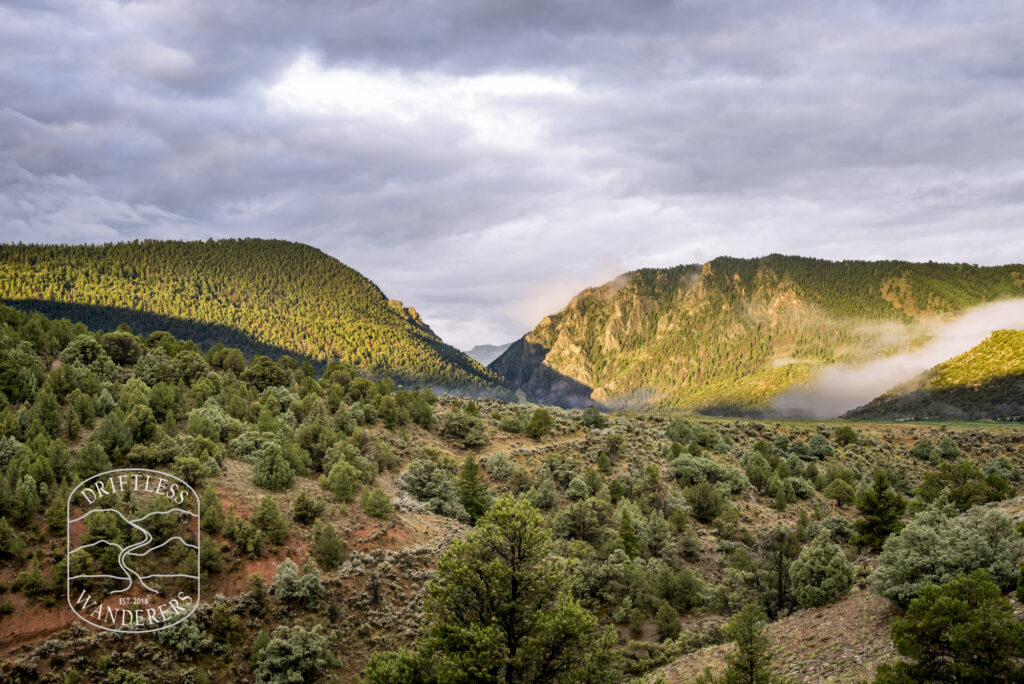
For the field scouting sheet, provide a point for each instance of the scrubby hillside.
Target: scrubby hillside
(330, 503)
(262, 296)
(842, 642)
(733, 333)
(984, 383)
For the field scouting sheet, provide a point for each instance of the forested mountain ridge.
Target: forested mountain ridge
(257, 294)
(984, 382)
(733, 333)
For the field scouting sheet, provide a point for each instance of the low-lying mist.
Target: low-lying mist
(838, 389)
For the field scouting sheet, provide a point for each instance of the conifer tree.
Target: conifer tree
(578, 489)
(749, 662)
(820, 574)
(343, 481)
(472, 491)
(705, 501)
(269, 520)
(881, 508)
(500, 608)
(306, 507)
(778, 549)
(667, 621)
(212, 517)
(272, 470)
(328, 549)
(376, 504)
(540, 423)
(627, 533)
(293, 654)
(960, 631)
(90, 460)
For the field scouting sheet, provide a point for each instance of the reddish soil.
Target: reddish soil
(231, 581)
(30, 621)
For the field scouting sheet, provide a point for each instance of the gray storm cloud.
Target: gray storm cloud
(470, 156)
(838, 389)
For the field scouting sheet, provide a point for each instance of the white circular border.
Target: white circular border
(67, 534)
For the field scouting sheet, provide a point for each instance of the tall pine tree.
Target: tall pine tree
(500, 608)
(881, 508)
(472, 491)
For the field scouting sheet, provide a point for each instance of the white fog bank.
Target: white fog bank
(838, 389)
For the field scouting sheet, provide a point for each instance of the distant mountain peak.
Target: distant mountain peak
(484, 354)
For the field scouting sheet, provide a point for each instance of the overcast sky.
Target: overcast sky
(484, 161)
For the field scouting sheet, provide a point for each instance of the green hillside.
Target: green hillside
(985, 382)
(355, 531)
(263, 296)
(733, 333)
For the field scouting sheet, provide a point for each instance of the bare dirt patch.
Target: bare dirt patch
(844, 642)
(31, 621)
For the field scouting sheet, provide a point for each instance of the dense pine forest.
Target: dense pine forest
(353, 530)
(262, 296)
(732, 334)
(984, 383)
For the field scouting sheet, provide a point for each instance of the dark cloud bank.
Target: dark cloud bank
(484, 161)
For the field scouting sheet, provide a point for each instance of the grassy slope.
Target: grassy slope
(733, 333)
(254, 294)
(984, 382)
(1001, 355)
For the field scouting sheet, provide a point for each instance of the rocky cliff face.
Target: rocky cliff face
(731, 334)
(525, 363)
